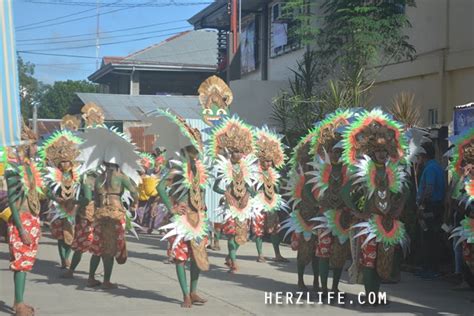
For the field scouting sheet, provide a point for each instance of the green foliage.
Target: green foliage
(405, 110)
(310, 98)
(353, 37)
(57, 99)
(358, 34)
(30, 87)
(296, 111)
(301, 12)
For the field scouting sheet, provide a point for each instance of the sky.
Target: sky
(45, 27)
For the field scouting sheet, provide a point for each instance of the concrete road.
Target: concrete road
(148, 286)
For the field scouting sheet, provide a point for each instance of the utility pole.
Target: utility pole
(35, 116)
(97, 42)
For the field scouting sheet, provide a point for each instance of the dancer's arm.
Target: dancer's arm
(217, 188)
(132, 189)
(14, 195)
(165, 198)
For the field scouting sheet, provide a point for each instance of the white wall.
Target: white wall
(253, 99)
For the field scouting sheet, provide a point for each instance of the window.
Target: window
(282, 31)
(249, 55)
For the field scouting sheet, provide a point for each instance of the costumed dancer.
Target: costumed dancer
(271, 158)
(375, 148)
(113, 150)
(462, 169)
(83, 230)
(299, 224)
(189, 227)
(60, 151)
(215, 97)
(24, 184)
(330, 177)
(150, 209)
(232, 147)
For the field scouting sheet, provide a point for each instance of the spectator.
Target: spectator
(430, 200)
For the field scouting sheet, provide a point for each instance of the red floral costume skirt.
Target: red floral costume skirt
(324, 244)
(258, 225)
(183, 250)
(100, 245)
(229, 227)
(23, 257)
(369, 253)
(83, 235)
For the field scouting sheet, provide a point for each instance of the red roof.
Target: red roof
(111, 59)
(48, 127)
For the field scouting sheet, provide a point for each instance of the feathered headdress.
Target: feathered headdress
(269, 147)
(93, 115)
(232, 134)
(192, 133)
(463, 151)
(371, 131)
(215, 98)
(108, 145)
(301, 151)
(147, 160)
(326, 134)
(70, 122)
(214, 91)
(61, 146)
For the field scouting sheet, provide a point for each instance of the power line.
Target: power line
(108, 37)
(128, 5)
(78, 19)
(59, 18)
(104, 44)
(127, 60)
(62, 64)
(49, 54)
(113, 31)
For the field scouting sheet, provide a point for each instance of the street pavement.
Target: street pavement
(148, 286)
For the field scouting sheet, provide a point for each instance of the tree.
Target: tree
(354, 37)
(57, 99)
(358, 34)
(30, 87)
(296, 111)
(310, 98)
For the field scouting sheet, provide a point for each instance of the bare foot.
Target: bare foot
(109, 286)
(187, 302)
(196, 299)
(233, 268)
(279, 258)
(261, 259)
(67, 264)
(93, 283)
(67, 275)
(22, 309)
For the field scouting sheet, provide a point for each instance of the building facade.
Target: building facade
(440, 76)
(175, 66)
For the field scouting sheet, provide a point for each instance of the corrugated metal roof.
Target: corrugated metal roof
(123, 107)
(191, 47)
